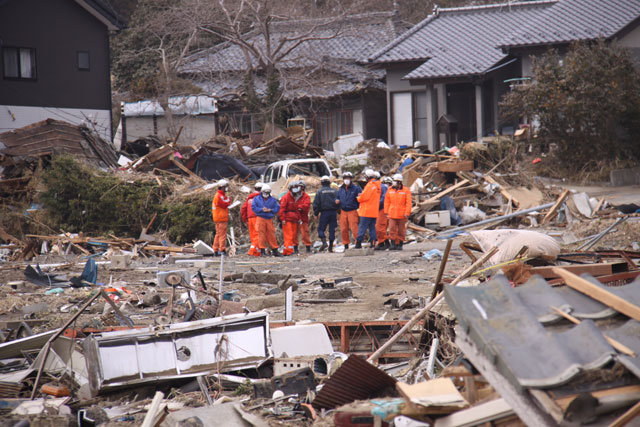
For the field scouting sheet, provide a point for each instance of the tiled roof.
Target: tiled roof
(354, 38)
(459, 41)
(570, 20)
(329, 63)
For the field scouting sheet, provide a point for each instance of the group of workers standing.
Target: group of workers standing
(380, 210)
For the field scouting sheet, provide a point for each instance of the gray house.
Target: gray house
(324, 80)
(446, 76)
(54, 62)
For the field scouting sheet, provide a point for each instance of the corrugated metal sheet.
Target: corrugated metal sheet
(356, 379)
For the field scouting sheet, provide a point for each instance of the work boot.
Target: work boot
(393, 246)
(400, 245)
(274, 252)
(386, 244)
(263, 252)
(215, 253)
(324, 245)
(331, 246)
(295, 250)
(308, 249)
(346, 246)
(358, 244)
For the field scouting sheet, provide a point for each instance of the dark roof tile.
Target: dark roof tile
(571, 20)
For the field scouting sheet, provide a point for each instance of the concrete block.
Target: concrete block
(441, 218)
(267, 301)
(202, 248)
(203, 264)
(272, 278)
(341, 293)
(359, 252)
(620, 177)
(120, 262)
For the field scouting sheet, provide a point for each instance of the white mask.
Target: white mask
(347, 181)
(266, 195)
(295, 189)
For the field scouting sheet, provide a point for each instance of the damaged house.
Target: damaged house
(322, 79)
(54, 63)
(446, 75)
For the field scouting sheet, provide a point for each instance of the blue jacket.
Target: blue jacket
(383, 191)
(259, 202)
(348, 198)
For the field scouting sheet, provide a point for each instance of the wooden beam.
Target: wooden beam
(604, 296)
(555, 207)
(597, 269)
(186, 170)
(627, 416)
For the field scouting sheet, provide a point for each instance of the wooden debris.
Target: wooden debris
(604, 296)
(555, 207)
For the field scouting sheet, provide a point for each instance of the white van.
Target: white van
(287, 168)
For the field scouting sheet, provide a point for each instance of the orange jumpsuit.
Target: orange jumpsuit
(397, 207)
(220, 213)
(249, 218)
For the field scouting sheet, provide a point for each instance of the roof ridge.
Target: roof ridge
(516, 4)
(401, 38)
(438, 11)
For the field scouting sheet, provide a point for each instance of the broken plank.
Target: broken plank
(594, 291)
(186, 170)
(504, 192)
(445, 192)
(555, 207)
(169, 249)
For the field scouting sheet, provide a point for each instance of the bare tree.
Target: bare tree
(251, 25)
(163, 32)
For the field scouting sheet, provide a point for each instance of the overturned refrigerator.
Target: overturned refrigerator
(132, 357)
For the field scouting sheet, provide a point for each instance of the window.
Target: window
(308, 169)
(83, 61)
(330, 125)
(19, 62)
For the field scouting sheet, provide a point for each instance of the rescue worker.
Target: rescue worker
(324, 204)
(290, 217)
(249, 218)
(347, 200)
(304, 205)
(266, 207)
(381, 222)
(369, 201)
(220, 212)
(397, 207)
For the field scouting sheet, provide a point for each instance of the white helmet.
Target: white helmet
(369, 173)
(258, 185)
(266, 188)
(347, 174)
(398, 177)
(377, 175)
(223, 183)
(325, 178)
(387, 180)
